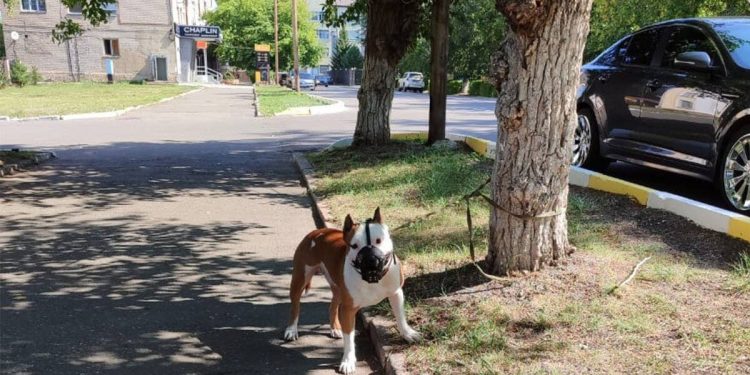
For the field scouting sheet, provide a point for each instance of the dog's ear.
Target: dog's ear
(376, 217)
(348, 224)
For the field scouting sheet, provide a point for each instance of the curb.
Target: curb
(256, 103)
(11, 169)
(92, 115)
(704, 215)
(393, 363)
(337, 107)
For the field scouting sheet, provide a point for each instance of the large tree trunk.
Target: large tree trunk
(536, 73)
(438, 70)
(391, 27)
(375, 98)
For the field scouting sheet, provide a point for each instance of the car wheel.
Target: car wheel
(586, 142)
(734, 171)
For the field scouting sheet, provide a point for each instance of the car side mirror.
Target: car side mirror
(693, 60)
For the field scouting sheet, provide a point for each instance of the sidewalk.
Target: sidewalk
(150, 256)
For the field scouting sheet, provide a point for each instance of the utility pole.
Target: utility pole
(276, 37)
(295, 45)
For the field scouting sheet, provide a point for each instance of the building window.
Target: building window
(318, 16)
(111, 47)
(110, 8)
(76, 9)
(33, 6)
(324, 34)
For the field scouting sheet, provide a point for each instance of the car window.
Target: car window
(687, 39)
(641, 48)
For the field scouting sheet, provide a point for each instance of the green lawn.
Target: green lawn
(69, 98)
(275, 99)
(685, 312)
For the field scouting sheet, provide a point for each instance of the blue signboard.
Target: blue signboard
(198, 32)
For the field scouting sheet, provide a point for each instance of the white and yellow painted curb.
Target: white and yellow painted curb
(707, 216)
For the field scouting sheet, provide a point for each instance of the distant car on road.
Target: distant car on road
(411, 81)
(306, 81)
(674, 96)
(323, 79)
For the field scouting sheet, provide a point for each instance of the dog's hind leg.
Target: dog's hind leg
(334, 313)
(301, 277)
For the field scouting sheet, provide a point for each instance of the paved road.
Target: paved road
(159, 242)
(476, 117)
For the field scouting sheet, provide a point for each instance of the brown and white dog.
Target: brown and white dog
(362, 270)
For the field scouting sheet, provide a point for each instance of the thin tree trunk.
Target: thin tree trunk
(391, 27)
(438, 70)
(536, 73)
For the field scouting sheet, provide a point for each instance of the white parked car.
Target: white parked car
(411, 81)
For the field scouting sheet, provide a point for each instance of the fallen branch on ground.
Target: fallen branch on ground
(631, 276)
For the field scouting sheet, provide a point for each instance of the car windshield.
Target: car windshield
(305, 76)
(736, 37)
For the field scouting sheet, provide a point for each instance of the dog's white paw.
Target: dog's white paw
(348, 365)
(291, 333)
(411, 336)
(336, 333)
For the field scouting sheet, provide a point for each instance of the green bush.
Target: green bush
(454, 87)
(137, 81)
(35, 77)
(482, 88)
(19, 74)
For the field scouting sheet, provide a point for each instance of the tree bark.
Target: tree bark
(438, 70)
(536, 73)
(391, 27)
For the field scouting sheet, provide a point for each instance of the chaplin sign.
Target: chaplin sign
(198, 32)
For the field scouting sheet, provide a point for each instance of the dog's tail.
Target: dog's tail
(307, 287)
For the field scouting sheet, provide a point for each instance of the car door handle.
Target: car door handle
(653, 84)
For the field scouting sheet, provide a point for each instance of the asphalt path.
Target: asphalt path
(161, 242)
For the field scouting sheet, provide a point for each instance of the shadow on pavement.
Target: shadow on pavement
(146, 258)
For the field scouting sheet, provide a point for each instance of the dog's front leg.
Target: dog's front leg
(397, 304)
(348, 316)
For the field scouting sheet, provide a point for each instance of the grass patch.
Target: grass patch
(276, 99)
(741, 274)
(69, 98)
(676, 316)
(8, 156)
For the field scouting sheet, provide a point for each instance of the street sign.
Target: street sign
(262, 48)
(198, 32)
(201, 44)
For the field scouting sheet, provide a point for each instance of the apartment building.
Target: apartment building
(160, 40)
(329, 36)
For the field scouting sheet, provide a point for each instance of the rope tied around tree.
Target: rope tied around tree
(469, 223)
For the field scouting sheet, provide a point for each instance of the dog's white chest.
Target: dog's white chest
(367, 294)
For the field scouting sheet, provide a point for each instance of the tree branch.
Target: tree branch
(631, 276)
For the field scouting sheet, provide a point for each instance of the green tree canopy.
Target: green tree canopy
(245, 23)
(475, 33)
(345, 54)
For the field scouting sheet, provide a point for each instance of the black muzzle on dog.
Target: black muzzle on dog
(371, 262)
